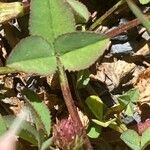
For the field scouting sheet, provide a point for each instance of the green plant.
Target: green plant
(53, 45)
(126, 103)
(144, 1)
(135, 141)
(99, 110)
(38, 135)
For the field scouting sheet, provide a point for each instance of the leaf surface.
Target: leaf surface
(96, 106)
(33, 55)
(127, 101)
(50, 18)
(144, 1)
(94, 131)
(104, 124)
(80, 11)
(79, 50)
(39, 111)
(145, 139)
(132, 139)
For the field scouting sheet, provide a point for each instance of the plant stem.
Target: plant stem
(138, 13)
(70, 103)
(125, 27)
(108, 13)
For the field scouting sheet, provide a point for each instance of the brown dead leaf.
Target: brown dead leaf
(15, 105)
(144, 50)
(53, 81)
(112, 73)
(9, 82)
(143, 85)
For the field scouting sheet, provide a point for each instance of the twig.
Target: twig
(124, 27)
(108, 13)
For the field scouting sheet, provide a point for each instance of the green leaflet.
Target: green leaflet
(127, 101)
(50, 18)
(33, 55)
(132, 139)
(144, 1)
(96, 106)
(37, 54)
(80, 11)
(79, 50)
(39, 111)
(104, 124)
(94, 131)
(145, 139)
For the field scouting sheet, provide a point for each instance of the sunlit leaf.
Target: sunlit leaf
(10, 11)
(79, 50)
(145, 139)
(104, 124)
(33, 55)
(132, 139)
(50, 18)
(127, 101)
(81, 12)
(144, 1)
(94, 131)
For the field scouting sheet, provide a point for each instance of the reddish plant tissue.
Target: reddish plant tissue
(64, 133)
(141, 127)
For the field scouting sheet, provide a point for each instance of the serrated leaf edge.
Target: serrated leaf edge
(37, 114)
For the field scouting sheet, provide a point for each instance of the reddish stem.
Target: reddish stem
(70, 102)
(124, 28)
